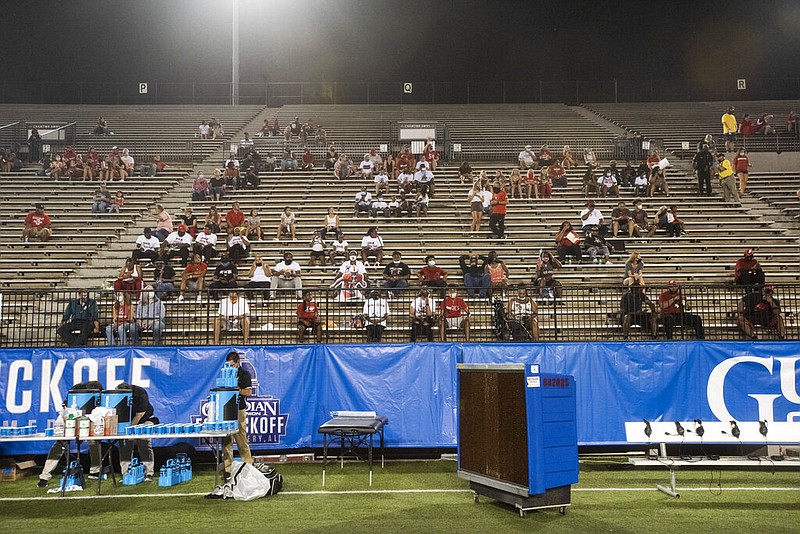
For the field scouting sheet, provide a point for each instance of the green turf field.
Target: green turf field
(632, 506)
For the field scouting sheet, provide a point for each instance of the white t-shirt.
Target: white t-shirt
(594, 218)
(608, 180)
(147, 244)
(526, 157)
(423, 177)
(237, 240)
(366, 167)
(230, 309)
(128, 160)
(286, 220)
(348, 267)
(202, 239)
(259, 275)
(640, 180)
(235, 162)
(363, 196)
(487, 198)
(376, 309)
(317, 244)
(371, 243)
(246, 143)
(282, 266)
(418, 305)
(204, 129)
(381, 178)
(175, 239)
(340, 246)
(378, 204)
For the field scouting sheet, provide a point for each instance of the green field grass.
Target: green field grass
(639, 508)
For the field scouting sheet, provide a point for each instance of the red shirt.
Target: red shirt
(122, 315)
(556, 170)
(235, 218)
(307, 311)
(664, 297)
(499, 203)
(198, 268)
(431, 155)
(37, 221)
(741, 163)
(453, 307)
(430, 274)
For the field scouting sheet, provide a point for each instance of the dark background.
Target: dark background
(170, 41)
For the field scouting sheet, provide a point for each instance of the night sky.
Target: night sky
(381, 40)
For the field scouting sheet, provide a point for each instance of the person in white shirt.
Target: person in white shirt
(376, 159)
(286, 275)
(381, 182)
(127, 159)
(179, 244)
(372, 245)
(338, 247)
(204, 129)
(424, 178)
(590, 216)
(205, 243)
(245, 144)
(260, 277)
(527, 158)
(233, 314)
(376, 313)
(238, 245)
(405, 181)
(232, 159)
(147, 246)
(363, 200)
(317, 255)
(351, 278)
(366, 167)
(287, 224)
(378, 206)
(421, 311)
(487, 195)
(608, 184)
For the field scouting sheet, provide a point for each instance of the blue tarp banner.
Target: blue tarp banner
(295, 387)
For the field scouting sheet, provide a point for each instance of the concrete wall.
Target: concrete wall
(774, 162)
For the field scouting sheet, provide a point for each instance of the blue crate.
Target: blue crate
(135, 474)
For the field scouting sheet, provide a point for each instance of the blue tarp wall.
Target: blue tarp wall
(415, 385)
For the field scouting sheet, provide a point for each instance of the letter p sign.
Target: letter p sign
(142, 88)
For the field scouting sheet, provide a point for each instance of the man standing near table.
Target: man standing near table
(245, 386)
(141, 414)
(57, 450)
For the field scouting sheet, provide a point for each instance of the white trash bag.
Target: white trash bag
(245, 484)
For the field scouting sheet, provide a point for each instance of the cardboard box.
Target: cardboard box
(11, 470)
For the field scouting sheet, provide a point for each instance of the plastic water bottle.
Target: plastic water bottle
(58, 427)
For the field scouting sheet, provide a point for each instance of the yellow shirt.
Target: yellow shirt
(728, 123)
(725, 169)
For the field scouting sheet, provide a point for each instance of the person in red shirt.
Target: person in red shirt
(747, 271)
(308, 318)
(675, 310)
(497, 220)
(558, 175)
(431, 156)
(194, 276)
(308, 160)
(652, 159)
(455, 314)
(431, 275)
(747, 126)
(37, 225)
(741, 164)
(568, 243)
(234, 218)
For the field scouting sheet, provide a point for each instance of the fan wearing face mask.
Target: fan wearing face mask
(122, 320)
(150, 313)
(431, 275)
(396, 274)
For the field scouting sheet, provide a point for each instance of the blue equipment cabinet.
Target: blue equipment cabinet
(517, 435)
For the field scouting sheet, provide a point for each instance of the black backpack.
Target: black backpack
(275, 478)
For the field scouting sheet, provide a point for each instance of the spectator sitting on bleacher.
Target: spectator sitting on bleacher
(660, 218)
(321, 136)
(522, 316)
(421, 312)
(317, 244)
(234, 218)
(286, 275)
(163, 279)
(652, 158)
(286, 224)
(122, 320)
(591, 216)
(568, 160)
(101, 199)
(204, 130)
(266, 129)
(376, 313)
(545, 280)
(193, 277)
(405, 181)
(101, 128)
(129, 277)
(748, 271)
(147, 246)
(405, 159)
(330, 224)
(253, 225)
(231, 175)
(607, 183)
(189, 220)
(431, 156)
(163, 223)
(351, 279)
(363, 200)
(251, 179)
(545, 156)
(421, 201)
(464, 171)
(269, 163)
(308, 160)
(295, 127)
(80, 319)
(591, 184)
(557, 174)
(91, 165)
(153, 168)
(747, 127)
(233, 314)
(390, 166)
(213, 219)
(640, 224)
(338, 248)
(217, 186)
(372, 245)
(238, 245)
(545, 183)
(200, 188)
(431, 275)
(308, 318)
(376, 159)
(621, 220)
(178, 244)
(404, 204)
(455, 315)
(56, 167)
(792, 121)
(627, 175)
(515, 181)
(378, 206)
(596, 244)
(331, 158)
(381, 182)
(396, 274)
(37, 225)
(150, 314)
(760, 308)
(245, 145)
(675, 226)
(260, 276)
(366, 167)
(634, 275)
(640, 181)
(216, 128)
(205, 243)
(658, 180)
(589, 158)
(342, 169)
(393, 207)
(763, 126)
(127, 160)
(674, 310)
(631, 310)
(568, 243)
(497, 271)
(476, 279)
(224, 276)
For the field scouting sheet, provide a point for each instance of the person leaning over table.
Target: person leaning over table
(57, 450)
(245, 387)
(141, 414)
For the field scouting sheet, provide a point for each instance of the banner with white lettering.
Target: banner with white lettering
(296, 387)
